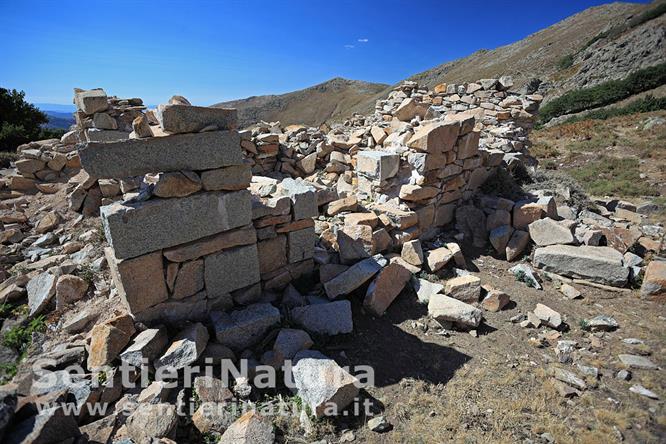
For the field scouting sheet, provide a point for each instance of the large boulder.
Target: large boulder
(597, 264)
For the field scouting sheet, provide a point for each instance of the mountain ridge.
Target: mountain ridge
(580, 37)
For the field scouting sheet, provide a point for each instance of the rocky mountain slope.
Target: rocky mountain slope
(311, 106)
(595, 45)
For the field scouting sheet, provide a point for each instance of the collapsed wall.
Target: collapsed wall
(195, 231)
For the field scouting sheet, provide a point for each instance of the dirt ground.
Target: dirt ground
(450, 386)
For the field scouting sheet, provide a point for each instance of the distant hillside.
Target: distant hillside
(578, 51)
(330, 100)
(601, 43)
(59, 119)
(60, 116)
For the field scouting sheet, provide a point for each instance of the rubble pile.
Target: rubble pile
(253, 246)
(503, 117)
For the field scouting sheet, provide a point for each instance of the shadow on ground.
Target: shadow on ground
(393, 353)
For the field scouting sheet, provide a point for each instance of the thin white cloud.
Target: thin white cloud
(349, 46)
(363, 40)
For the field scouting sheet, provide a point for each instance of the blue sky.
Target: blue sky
(210, 51)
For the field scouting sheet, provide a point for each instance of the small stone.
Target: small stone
(147, 346)
(464, 288)
(108, 339)
(251, 428)
(354, 276)
(379, 424)
(47, 223)
(185, 348)
(176, 184)
(601, 323)
(548, 232)
(549, 316)
(385, 288)
(517, 244)
(444, 308)
(290, 341)
(241, 329)
(654, 280)
(495, 300)
(412, 252)
(69, 288)
(330, 319)
(569, 291)
(624, 375)
(640, 390)
(568, 378)
(425, 289)
(322, 384)
(41, 290)
(211, 389)
(636, 361)
(438, 258)
(349, 203)
(150, 421)
(141, 128)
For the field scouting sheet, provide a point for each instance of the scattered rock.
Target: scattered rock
(251, 428)
(322, 384)
(548, 316)
(243, 328)
(447, 309)
(185, 348)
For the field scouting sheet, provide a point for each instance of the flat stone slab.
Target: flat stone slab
(136, 157)
(444, 308)
(243, 328)
(192, 119)
(139, 228)
(548, 232)
(325, 319)
(354, 276)
(598, 264)
(231, 270)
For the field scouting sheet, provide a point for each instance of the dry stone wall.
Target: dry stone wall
(193, 239)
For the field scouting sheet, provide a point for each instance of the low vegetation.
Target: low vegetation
(610, 176)
(19, 337)
(643, 105)
(566, 62)
(604, 93)
(608, 154)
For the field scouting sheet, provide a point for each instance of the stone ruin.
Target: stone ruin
(192, 231)
(195, 239)
(227, 243)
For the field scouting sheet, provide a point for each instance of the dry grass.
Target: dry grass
(609, 156)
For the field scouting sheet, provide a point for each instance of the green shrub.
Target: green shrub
(644, 105)
(566, 62)
(605, 93)
(20, 121)
(20, 337)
